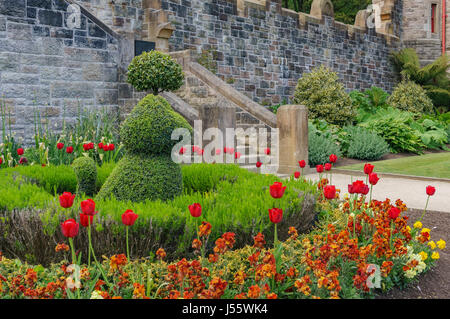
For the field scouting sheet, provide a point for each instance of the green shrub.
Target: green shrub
(86, 171)
(137, 178)
(156, 72)
(325, 97)
(366, 145)
(411, 97)
(148, 128)
(320, 149)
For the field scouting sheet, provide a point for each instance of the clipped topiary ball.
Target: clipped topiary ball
(85, 169)
(325, 97)
(148, 128)
(156, 72)
(140, 177)
(411, 97)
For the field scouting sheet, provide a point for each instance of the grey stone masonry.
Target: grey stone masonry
(48, 66)
(266, 51)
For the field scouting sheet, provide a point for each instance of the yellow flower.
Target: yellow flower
(432, 244)
(424, 255)
(418, 225)
(408, 228)
(425, 230)
(441, 244)
(435, 255)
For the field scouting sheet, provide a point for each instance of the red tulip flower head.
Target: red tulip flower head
(182, 150)
(20, 151)
(86, 220)
(319, 169)
(277, 190)
(267, 151)
(329, 192)
(66, 200)
(368, 169)
(333, 158)
(328, 166)
(88, 207)
(302, 164)
(105, 148)
(394, 212)
(430, 190)
(258, 164)
(70, 228)
(297, 175)
(358, 187)
(195, 210)
(373, 179)
(69, 150)
(129, 217)
(111, 147)
(218, 152)
(60, 146)
(1, 160)
(237, 155)
(275, 215)
(100, 145)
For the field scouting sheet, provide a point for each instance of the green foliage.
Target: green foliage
(86, 171)
(370, 100)
(432, 133)
(409, 96)
(140, 177)
(365, 145)
(155, 71)
(207, 59)
(148, 129)
(395, 127)
(321, 146)
(325, 97)
(433, 77)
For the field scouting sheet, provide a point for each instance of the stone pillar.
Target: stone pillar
(292, 123)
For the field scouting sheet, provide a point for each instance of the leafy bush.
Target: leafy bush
(320, 147)
(148, 128)
(155, 71)
(86, 171)
(325, 97)
(136, 178)
(433, 134)
(411, 97)
(366, 145)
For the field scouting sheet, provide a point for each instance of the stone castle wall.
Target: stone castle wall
(264, 51)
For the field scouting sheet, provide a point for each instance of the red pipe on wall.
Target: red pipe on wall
(444, 18)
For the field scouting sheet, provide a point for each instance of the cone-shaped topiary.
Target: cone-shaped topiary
(147, 170)
(86, 171)
(148, 129)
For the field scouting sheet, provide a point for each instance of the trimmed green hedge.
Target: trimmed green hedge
(86, 171)
(138, 177)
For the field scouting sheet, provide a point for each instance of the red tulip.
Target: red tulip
(218, 151)
(100, 145)
(368, 169)
(86, 147)
(275, 215)
(20, 151)
(86, 220)
(333, 158)
(358, 187)
(88, 207)
(111, 147)
(329, 191)
(23, 160)
(319, 169)
(105, 148)
(129, 217)
(373, 178)
(237, 155)
(394, 212)
(277, 190)
(430, 190)
(182, 150)
(302, 164)
(267, 151)
(60, 146)
(66, 200)
(195, 210)
(328, 167)
(69, 150)
(70, 228)
(297, 175)
(258, 164)
(1, 160)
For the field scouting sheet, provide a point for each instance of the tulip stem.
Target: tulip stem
(425, 210)
(74, 260)
(128, 249)
(275, 240)
(89, 237)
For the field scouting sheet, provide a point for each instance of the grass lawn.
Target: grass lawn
(430, 165)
